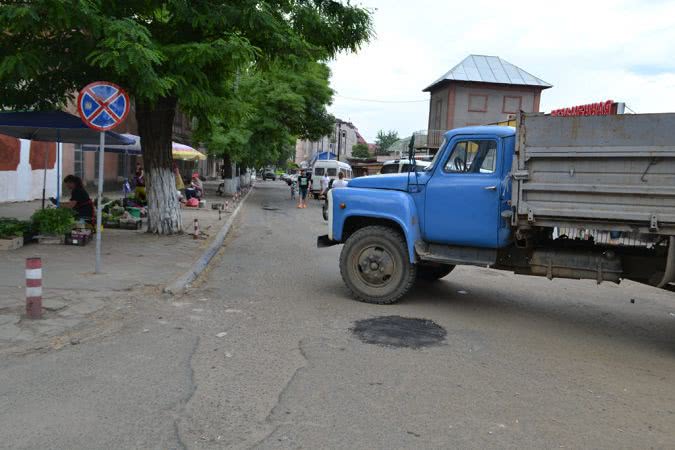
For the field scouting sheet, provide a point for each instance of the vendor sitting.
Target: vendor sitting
(79, 199)
(196, 188)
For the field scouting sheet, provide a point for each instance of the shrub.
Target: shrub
(10, 228)
(53, 221)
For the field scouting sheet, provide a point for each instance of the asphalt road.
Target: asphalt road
(261, 354)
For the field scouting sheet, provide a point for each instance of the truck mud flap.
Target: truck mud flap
(324, 241)
(669, 275)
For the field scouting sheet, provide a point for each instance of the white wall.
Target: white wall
(25, 184)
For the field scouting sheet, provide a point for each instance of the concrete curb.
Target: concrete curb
(179, 285)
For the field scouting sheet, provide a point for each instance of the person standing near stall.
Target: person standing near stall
(139, 183)
(80, 202)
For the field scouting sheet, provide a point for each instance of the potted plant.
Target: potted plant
(12, 232)
(52, 224)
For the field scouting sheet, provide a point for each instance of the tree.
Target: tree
(360, 151)
(268, 109)
(385, 140)
(167, 54)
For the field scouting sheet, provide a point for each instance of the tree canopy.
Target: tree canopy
(269, 108)
(176, 53)
(384, 140)
(360, 151)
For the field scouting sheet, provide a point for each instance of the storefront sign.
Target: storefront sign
(605, 108)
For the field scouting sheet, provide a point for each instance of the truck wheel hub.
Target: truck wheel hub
(375, 265)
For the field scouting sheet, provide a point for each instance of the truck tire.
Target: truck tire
(375, 266)
(433, 271)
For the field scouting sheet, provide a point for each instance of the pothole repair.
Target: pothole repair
(401, 332)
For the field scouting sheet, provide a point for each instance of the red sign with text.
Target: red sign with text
(606, 108)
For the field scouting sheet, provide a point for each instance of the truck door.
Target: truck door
(462, 196)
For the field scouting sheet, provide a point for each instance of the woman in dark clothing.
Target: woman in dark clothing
(79, 199)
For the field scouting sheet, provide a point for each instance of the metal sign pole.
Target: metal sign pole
(99, 207)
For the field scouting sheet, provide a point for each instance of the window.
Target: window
(318, 171)
(78, 162)
(512, 104)
(472, 157)
(478, 103)
(438, 108)
(331, 172)
(389, 168)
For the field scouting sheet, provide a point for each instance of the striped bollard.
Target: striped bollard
(34, 288)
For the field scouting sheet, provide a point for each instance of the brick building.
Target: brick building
(477, 91)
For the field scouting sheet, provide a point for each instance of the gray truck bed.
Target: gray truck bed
(614, 171)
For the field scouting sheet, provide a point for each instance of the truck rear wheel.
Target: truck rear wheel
(433, 271)
(375, 266)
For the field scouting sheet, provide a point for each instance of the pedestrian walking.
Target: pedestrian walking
(304, 183)
(324, 184)
(340, 182)
(294, 186)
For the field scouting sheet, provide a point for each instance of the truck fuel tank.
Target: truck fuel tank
(560, 263)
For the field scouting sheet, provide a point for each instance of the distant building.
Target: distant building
(477, 91)
(306, 150)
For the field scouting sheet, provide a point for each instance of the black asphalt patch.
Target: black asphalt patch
(401, 332)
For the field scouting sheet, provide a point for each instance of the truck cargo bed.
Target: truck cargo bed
(614, 171)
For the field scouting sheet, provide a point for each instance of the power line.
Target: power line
(380, 101)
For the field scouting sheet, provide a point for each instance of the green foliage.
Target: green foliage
(268, 110)
(360, 151)
(10, 228)
(385, 140)
(53, 221)
(251, 72)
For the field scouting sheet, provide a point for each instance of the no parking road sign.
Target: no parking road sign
(103, 105)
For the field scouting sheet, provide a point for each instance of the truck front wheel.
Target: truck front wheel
(375, 266)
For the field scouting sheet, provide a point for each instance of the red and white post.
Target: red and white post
(34, 288)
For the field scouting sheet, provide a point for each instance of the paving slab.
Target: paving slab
(131, 261)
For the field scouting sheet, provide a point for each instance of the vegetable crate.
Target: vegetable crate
(79, 239)
(49, 239)
(11, 243)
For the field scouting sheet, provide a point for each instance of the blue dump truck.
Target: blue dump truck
(570, 197)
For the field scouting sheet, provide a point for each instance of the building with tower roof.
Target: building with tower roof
(480, 90)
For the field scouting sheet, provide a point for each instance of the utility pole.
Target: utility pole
(339, 139)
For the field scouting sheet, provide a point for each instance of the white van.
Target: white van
(331, 168)
(402, 166)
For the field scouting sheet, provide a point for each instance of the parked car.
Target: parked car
(403, 165)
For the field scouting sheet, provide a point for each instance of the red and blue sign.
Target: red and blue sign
(103, 105)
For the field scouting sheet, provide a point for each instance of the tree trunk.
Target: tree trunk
(155, 126)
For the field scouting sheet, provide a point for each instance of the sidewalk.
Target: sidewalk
(131, 261)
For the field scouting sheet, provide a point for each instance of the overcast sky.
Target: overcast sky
(589, 50)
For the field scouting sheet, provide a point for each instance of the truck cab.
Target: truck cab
(392, 224)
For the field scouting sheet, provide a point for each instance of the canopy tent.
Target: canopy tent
(54, 126)
(323, 156)
(179, 151)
